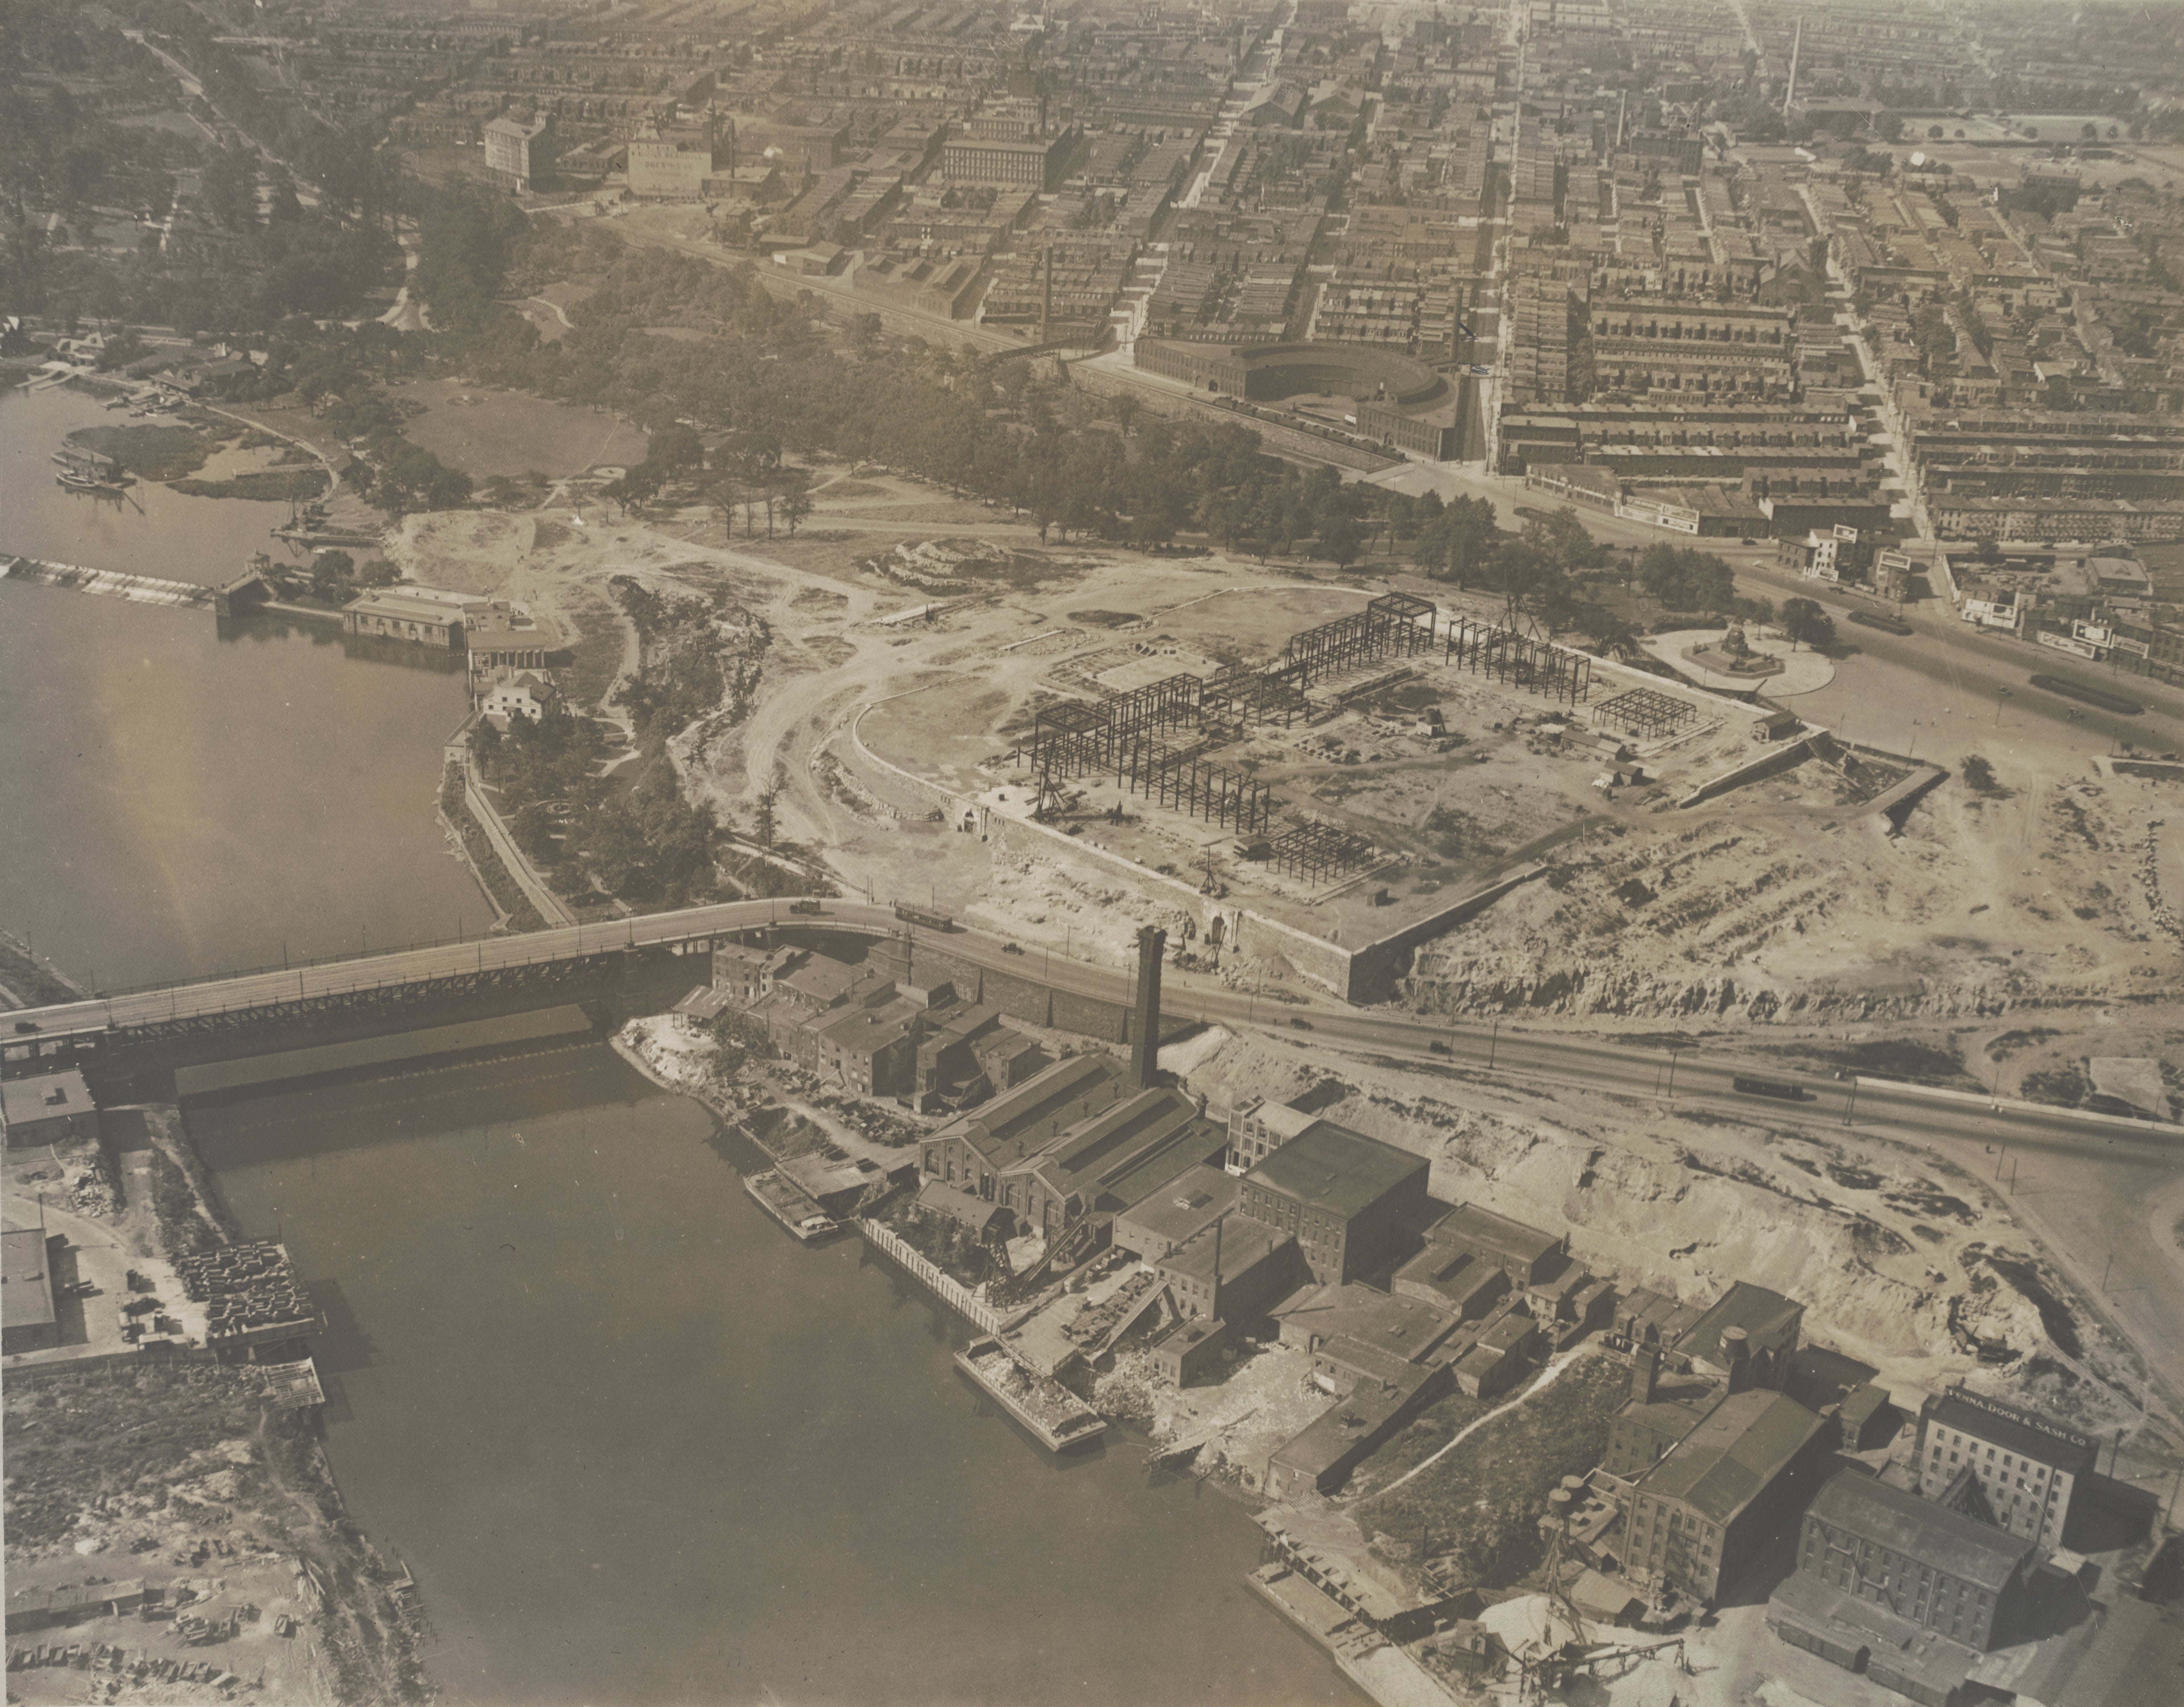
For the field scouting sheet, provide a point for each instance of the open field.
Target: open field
(483, 432)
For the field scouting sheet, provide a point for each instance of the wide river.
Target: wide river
(636, 1446)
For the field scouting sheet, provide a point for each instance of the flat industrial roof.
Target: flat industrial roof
(1331, 1168)
(1191, 1205)
(1482, 1229)
(2014, 1431)
(26, 1284)
(25, 1100)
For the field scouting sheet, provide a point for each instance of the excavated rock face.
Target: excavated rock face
(1801, 913)
(1545, 988)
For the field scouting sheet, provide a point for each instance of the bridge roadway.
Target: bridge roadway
(2092, 1178)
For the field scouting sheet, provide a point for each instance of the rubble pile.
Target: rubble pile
(2150, 871)
(91, 1193)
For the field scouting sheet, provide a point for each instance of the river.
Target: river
(185, 797)
(640, 1448)
(637, 1446)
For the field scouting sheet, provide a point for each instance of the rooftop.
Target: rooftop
(1496, 1235)
(2016, 1430)
(1242, 1243)
(1188, 1207)
(1021, 1121)
(399, 602)
(49, 1097)
(1769, 1319)
(1721, 1465)
(1330, 1167)
(1900, 1521)
(26, 1287)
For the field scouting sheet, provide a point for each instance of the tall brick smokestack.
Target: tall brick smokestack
(1145, 1023)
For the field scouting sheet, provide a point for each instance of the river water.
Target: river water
(183, 797)
(640, 1448)
(637, 1446)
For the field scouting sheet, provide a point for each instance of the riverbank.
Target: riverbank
(205, 1481)
(28, 980)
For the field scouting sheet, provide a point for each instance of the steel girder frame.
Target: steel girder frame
(1190, 783)
(1489, 649)
(1256, 695)
(1644, 712)
(1167, 704)
(1389, 624)
(1312, 850)
(1068, 723)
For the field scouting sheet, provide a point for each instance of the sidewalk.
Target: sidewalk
(551, 908)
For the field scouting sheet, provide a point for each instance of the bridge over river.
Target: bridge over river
(356, 987)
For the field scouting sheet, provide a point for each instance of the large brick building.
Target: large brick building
(1697, 1517)
(1081, 1138)
(48, 1108)
(2007, 1466)
(519, 153)
(1038, 162)
(1344, 1197)
(1905, 1591)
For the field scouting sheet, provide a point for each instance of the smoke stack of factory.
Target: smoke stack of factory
(1145, 1023)
(1736, 1352)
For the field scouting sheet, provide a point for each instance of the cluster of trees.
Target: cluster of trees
(335, 576)
(237, 269)
(644, 843)
(682, 675)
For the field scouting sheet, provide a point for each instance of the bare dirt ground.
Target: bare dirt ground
(1781, 901)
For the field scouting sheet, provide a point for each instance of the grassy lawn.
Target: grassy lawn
(596, 655)
(1480, 1506)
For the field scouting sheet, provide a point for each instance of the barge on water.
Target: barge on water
(802, 1218)
(1044, 1407)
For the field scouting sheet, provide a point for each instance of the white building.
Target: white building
(2007, 1466)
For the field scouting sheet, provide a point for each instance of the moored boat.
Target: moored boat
(797, 1213)
(1049, 1409)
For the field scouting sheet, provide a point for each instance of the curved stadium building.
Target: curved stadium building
(1402, 403)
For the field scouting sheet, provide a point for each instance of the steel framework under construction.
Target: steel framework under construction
(1312, 850)
(1120, 737)
(1192, 784)
(1389, 626)
(1496, 649)
(1073, 738)
(1645, 713)
(1245, 693)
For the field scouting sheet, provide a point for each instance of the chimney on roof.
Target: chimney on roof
(1736, 1352)
(1645, 1374)
(1145, 1023)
